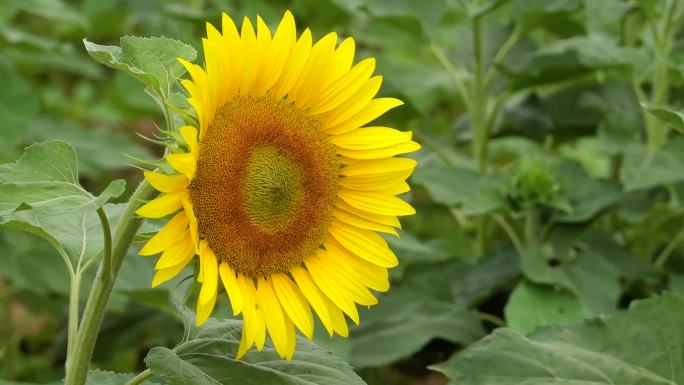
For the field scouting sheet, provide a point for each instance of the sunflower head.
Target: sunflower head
(282, 186)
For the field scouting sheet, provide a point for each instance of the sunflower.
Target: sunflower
(281, 188)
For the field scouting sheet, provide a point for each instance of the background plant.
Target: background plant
(549, 187)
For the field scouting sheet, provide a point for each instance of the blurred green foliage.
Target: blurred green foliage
(548, 189)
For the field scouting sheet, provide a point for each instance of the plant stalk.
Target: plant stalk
(140, 378)
(72, 328)
(79, 360)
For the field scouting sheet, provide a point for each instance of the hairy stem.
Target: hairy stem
(78, 363)
(72, 328)
(671, 247)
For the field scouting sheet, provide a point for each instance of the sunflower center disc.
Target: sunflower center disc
(265, 185)
(273, 189)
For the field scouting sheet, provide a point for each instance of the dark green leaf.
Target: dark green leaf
(640, 346)
(209, 358)
(531, 306)
(403, 322)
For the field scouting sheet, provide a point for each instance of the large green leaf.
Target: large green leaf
(404, 322)
(153, 60)
(531, 306)
(208, 358)
(590, 277)
(641, 346)
(40, 193)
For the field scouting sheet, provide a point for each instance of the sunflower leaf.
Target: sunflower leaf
(152, 60)
(40, 193)
(642, 345)
(208, 358)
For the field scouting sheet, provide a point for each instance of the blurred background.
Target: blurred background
(548, 188)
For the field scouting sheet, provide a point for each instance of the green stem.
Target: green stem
(479, 94)
(663, 37)
(532, 231)
(72, 328)
(510, 231)
(140, 378)
(453, 74)
(107, 236)
(491, 318)
(79, 362)
(665, 254)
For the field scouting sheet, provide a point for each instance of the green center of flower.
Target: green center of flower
(273, 189)
(266, 184)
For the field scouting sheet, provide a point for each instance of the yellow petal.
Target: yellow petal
(230, 56)
(336, 62)
(365, 244)
(204, 309)
(370, 112)
(166, 183)
(161, 206)
(386, 185)
(370, 138)
(388, 220)
(210, 283)
(284, 40)
(346, 279)
(260, 337)
(250, 64)
(192, 220)
(312, 76)
(189, 134)
(380, 153)
(171, 232)
(342, 89)
(249, 330)
(229, 280)
(294, 303)
(354, 220)
(177, 253)
(383, 204)
(294, 66)
(380, 166)
(185, 163)
(357, 102)
(339, 323)
(373, 276)
(163, 275)
(328, 286)
(273, 316)
(313, 296)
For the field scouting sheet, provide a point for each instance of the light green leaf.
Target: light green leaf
(40, 193)
(208, 358)
(640, 346)
(153, 60)
(403, 322)
(667, 115)
(531, 306)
